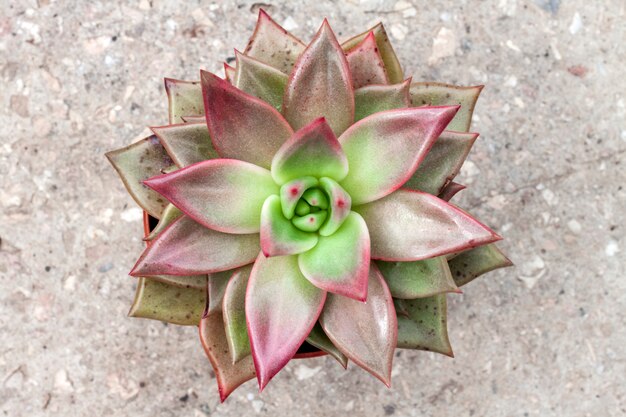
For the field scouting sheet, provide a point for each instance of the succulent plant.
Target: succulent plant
(302, 206)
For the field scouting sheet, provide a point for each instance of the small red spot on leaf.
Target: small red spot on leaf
(311, 219)
(294, 191)
(341, 203)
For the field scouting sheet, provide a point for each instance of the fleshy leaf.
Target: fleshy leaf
(185, 281)
(443, 162)
(173, 304)
(137, 162)
(392, 64)
(195, 119)
(471, 264)
(235, 314)
(272, 44)
(412, 225)
(311, 151)
(170, 213)
(320, 85)
(365, 332)
(436, 94)
(281, 309)
(318, 338)
(385, 149)
(339, 206)
(310, 222)
(213, 337)
(291, 192)
(376, 98)
(450, 190)
(424, 327)
(187, 248)
(260, 80)
(366, 64)
(186, 143)
(278, 235)
(218, 282)
(229, 73)
(242, 126)
(223, 194)
(418, 279)
(184, 99)
(339, 263)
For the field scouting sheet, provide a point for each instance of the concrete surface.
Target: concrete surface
(545, 339)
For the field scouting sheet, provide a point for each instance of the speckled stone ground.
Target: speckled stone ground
(544, 339)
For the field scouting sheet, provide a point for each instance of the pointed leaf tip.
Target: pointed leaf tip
(366, 64)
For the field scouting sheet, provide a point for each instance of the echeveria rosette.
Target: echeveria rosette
(304, 198)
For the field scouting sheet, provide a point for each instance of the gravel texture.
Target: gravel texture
(543, 339)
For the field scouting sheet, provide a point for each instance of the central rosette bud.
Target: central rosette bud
(314, 205)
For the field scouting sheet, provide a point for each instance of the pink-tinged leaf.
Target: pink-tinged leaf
(235, 314)
(170, 213)
(159, 301)
(471, 264)
(183, 281)
(450, 190)
(194, 119)
(339, 263)
(385, 149)
(281, 309)
(376, 98)
(184, 99)
(318, 338)
(418, 279)
(320, 85)
(221, 194)
(339, 206)
(312, 151)
(436, 94)
(138, 162)
(213, 338)
(412, 225)
(423, 325)
(242, 126)
(260, 80)
(272, 44)
(365, 332)
(443, 162)
(229, 73)
(187, 248)
(218, 281)
(392, 64)
(186, 143)
(278, 235)
(366, 64)
(291, 192)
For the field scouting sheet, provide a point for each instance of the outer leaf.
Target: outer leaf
(186, 143)
(436, 94)
(272, 44)
(443, 162)
(318, 338)
(278, 235)
(392, 64)
(366, 64)
(229, 73)
(260, 80)
(170, 213)
(222, 194)
(281, 309)
(311, 151)
(184, 99)
(137, 162)
(418, 279)
(340, 263)
(365, 332)
(186, 248)
(218, 282)
(320, 85)
(450, 190)
(376, 98)
(473, 263)
(194, 119)
(173, 304)
(242, 126)
(425, 326)
(235, 314)
(229, 376)
(189, 281)
(412, 225)
(340, 204)
(385, 149)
